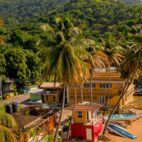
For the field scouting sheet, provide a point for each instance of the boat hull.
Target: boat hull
(120, 131)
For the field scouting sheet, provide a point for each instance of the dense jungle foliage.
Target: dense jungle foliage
(22, 32)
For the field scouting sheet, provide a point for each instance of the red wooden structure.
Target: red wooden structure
(87, 124)
(80, 130)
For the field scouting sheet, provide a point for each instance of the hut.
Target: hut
(35, 94)
(42, 119)
(87, 123)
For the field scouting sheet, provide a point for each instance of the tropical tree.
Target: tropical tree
(113, 52)
(63, 60)
(7, 123)
(2, 37)
(96, 58)
(130, 69)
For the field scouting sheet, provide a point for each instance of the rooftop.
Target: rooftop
(86, 106)
(36, 91)
(32, 116)
(50, 85)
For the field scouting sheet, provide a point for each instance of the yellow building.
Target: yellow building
(52, 92)
(100, 89)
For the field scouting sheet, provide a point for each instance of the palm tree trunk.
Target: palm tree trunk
(71, 119)
(91, 79)
(127, 84)
(106, 104)
(61, 113)
(81, 93)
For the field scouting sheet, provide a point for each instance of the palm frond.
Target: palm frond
(6, 135)
(7, 120)
(47, 28)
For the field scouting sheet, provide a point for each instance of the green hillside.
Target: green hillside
(107, 22)
(96, 17)
(23, 10)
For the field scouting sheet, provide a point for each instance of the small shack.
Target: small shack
(35, 94)
(43, 120)
(87, 123)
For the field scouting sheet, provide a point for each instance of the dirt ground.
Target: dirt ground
(135, 128)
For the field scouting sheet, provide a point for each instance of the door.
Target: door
(88, 134)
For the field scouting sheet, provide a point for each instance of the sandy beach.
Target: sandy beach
(135, 128)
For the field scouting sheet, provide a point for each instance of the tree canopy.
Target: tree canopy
(22, 32)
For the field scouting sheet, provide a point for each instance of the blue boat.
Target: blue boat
(123, 116)
(127, 115)
(120, 131)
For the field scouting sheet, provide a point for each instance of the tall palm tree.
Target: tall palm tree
(64, 61)
(130, 68)
(97, 60)
(7, 123)
(114, 55)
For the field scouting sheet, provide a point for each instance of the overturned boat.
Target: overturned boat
(121, 131)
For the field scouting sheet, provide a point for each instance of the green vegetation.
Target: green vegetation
(23, 35)
(68, 65)
(2, 108)
(61, 40)
(7, 123)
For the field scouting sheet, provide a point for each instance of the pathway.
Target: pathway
(18, 98)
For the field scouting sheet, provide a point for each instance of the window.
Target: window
(86, 85)
(105, 85)
(54, 98)
(94, 85)
(46, 98)
(79, 113)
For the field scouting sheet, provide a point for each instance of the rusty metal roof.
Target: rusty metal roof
(85, 107)
(50, 85)
(25, 119)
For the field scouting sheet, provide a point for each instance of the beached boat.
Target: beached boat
(121, 117)
(121, 131)
(117, 123)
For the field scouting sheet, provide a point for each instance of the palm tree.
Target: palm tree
(63, 60)
(7, 123)
(130, 69)
(114, 55)
(97, 60)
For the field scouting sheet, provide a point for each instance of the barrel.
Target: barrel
(14, 107)
(8, 108)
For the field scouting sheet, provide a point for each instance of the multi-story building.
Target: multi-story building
(105, 85)
(52, 92)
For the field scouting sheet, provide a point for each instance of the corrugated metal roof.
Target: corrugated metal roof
(86, 107)
(36, 91)
(50, 85)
